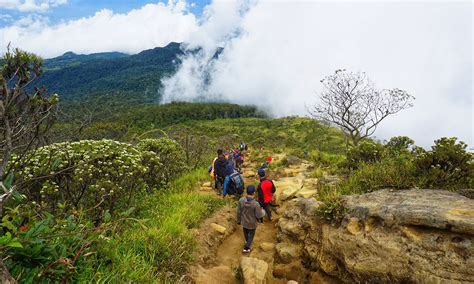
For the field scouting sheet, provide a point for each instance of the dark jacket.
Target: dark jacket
(220, 165)
(265, 191)
(248, 211)
(229, 168)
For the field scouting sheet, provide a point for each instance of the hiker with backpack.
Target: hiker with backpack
(229, 170)
(236, 184)
(220, 169)
(248, 213)
(265, 191)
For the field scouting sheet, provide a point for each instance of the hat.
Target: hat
(250, 189)
(261, 172)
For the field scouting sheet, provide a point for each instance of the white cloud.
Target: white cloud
(150, 26)
(30, 5)
(276, 52)
(283, 49)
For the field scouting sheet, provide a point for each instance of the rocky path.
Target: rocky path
(223, 260)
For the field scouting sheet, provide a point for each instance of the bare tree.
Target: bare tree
(350, 101)
(26, 114)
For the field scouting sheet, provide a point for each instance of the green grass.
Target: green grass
(159, 247)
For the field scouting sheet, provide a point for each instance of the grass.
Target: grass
(159, 247)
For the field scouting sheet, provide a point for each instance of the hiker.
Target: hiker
(210, 171)
(248, 213)
(239, 160)
(265, 191)
(236, 184)
(229, 170)
(243, 146)
(220, 171)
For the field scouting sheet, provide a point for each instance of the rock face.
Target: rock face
(420, 236)
(293, 160)
(254, 270)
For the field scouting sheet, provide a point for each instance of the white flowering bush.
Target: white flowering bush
(95, 176)
(165, 160)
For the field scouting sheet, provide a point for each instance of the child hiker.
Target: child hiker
(248, 213)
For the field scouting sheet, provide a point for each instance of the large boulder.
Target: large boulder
(254, 270)
(288, 252)
(293, 160)
(419, 236)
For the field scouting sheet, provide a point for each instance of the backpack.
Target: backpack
(237, 182)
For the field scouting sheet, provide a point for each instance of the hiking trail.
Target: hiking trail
(220, 239)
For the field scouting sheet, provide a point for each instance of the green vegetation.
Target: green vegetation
(74, 76)
(400, 165)
(114, 198)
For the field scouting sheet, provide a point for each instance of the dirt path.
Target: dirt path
(222, 264)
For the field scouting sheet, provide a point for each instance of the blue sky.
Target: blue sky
(76, 9)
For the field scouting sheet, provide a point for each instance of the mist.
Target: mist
(275, 54)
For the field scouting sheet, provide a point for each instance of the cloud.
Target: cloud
(150, 26)
(281, 50)
(30, 5)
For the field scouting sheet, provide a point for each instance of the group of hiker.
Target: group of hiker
(253, 207)
(226, 171)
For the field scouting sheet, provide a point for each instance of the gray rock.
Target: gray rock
(419, 207)
(416, 236)
(254, 270)
(293, 160)
(288, 193)
(287, 252)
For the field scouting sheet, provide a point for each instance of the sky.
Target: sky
(276, 52)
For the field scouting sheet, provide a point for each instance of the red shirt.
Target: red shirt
(265, 190)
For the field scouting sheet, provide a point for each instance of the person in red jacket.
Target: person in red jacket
(265, 191)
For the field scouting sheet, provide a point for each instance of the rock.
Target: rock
(288, 193)
(292, 271)
(306, 193)
(204, 188)
(353, 226)
(428, 208)
(288, 252)
(248, 174)
(293, 160)
(267, 246)
(207, 184)
(292, 282)
(219, 274)
(330, 180)
(468, 192)
(309, 205)
(218, 228)
(287, 172)
(253, 270)
(291, 228)
(387, 236)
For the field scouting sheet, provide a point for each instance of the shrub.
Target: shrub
(88, 174)
(97, 175)
(171, 159)
(397, 173)
(364, 152)
(448, 165)
(400, 143)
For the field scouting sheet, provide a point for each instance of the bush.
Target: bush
(94, 175)
(400, 143)
(364, 152)
(170, 156)
(448, 165)
(97, 176)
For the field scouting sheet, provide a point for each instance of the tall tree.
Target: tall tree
(26, 113)
(350, 101)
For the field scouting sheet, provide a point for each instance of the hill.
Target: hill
(73, 76)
